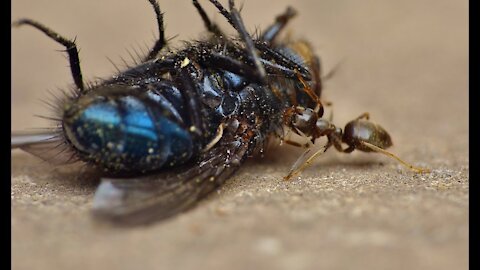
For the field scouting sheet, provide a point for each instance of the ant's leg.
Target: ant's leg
(211, 27)
(160, 43)
(281, 21)
(317, 71)
(297, 165)
(334, 139)
(311, 93)
(71, 49)
(296, 144)
(391, 155)
(303, 162)
(364, 115)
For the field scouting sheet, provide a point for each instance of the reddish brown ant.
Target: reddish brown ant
(360, 134)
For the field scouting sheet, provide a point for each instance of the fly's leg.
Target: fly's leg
(160, 43)
(278, 66)
(234, 66)
(216, 60)
(269, 53)
(211, 27)
(216, 139)
(71, 49)
(223, 11)
(281, 21)
(235, 20)
(191, 92)
(240, 26)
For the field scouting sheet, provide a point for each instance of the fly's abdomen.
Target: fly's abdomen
(128, 133)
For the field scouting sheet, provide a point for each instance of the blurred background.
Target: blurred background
(405, 62)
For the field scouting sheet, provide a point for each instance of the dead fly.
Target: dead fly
(170, 130)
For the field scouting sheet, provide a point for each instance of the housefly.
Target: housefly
(171, 129)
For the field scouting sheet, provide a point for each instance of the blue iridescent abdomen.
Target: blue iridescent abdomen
(129, 133)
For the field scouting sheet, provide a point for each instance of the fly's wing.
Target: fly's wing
(22, 139)
(48, 145)
(132, 201)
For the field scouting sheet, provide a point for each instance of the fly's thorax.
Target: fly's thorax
(127, 129)
(219, 92)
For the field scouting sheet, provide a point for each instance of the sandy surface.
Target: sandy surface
(403, 61)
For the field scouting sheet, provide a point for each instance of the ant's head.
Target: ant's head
(309, 122)
(301, 120)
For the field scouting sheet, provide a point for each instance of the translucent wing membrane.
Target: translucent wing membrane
(143, 199)
(48, 145)
(22, 139)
